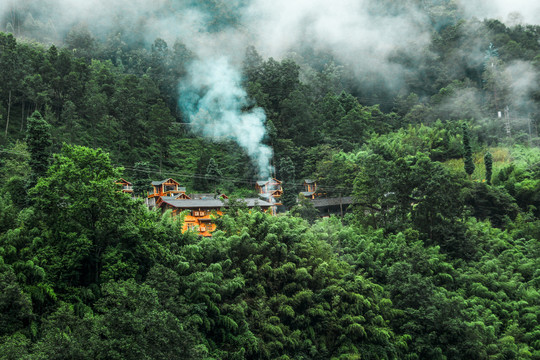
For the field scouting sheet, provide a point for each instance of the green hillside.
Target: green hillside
(397, 108)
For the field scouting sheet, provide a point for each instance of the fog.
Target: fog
(363, 35)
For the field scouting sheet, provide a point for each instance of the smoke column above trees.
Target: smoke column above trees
(365, 35)
(213, 100)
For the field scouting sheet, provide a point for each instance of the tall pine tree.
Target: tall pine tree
(213, 175)
(38, 140)
(287, 173)
(469, 164)
(488, 163)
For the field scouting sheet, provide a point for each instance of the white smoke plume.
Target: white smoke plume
(213, 100)
(524, 80)
(366, 36)
(464, 103)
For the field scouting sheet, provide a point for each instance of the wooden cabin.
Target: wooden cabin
(338, 206)
(199, 214)
(199, 209)
(310, 189)
(167, 187)
(126, 186)
(270, 190)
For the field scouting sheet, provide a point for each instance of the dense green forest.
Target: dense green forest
(438, 257)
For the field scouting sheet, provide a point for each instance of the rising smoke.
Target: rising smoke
(364, 35)
(213, 100)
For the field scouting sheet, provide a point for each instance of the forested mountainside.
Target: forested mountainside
(424, 113)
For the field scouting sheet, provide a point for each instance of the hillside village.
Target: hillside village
(327, 180)
(198, 210)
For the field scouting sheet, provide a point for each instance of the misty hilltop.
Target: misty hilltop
(212, 61)
(254, 179)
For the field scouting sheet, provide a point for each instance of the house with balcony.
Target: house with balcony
(198, 210)
(309, 189)
(270, 190)
(125, 186)
(165, 188)
(199, 214)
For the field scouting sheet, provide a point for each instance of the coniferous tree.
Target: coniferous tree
(213, 174)
(469, 164)
(305, 210)
(38, 140)
(287, 173)
(142, 177)
(488, 163)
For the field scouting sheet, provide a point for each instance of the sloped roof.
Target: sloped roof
(309, 181)
(200, 196)
(123, 181)
(307, 193)
(157, 183)
(209, 203)
(346, 200)
(264, 182)
(182, 195)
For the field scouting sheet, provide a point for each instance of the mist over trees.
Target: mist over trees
(424, 113)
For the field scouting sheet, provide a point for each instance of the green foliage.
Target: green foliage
(143, 173)
(15, 305)
(431, 265)
(467, 151)
(213, 175)
(38, 140)
(305, 210)
(488, 202)
(91, 232)
(261, 285)
(287, 174)
(521, 178)
(467, 308)
(129, 308)
(410, 191)
(488, 162)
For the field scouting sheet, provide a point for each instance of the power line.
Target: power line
(186, 175)
(201, 176)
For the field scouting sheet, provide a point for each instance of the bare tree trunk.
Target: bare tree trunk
(8, 111)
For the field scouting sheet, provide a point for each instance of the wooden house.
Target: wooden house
(167, 187)
(270, 190)
(337, 206)
(126, 186)
(199, 214)
(310, 189)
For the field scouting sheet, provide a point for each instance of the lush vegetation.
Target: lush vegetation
(439, 257)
